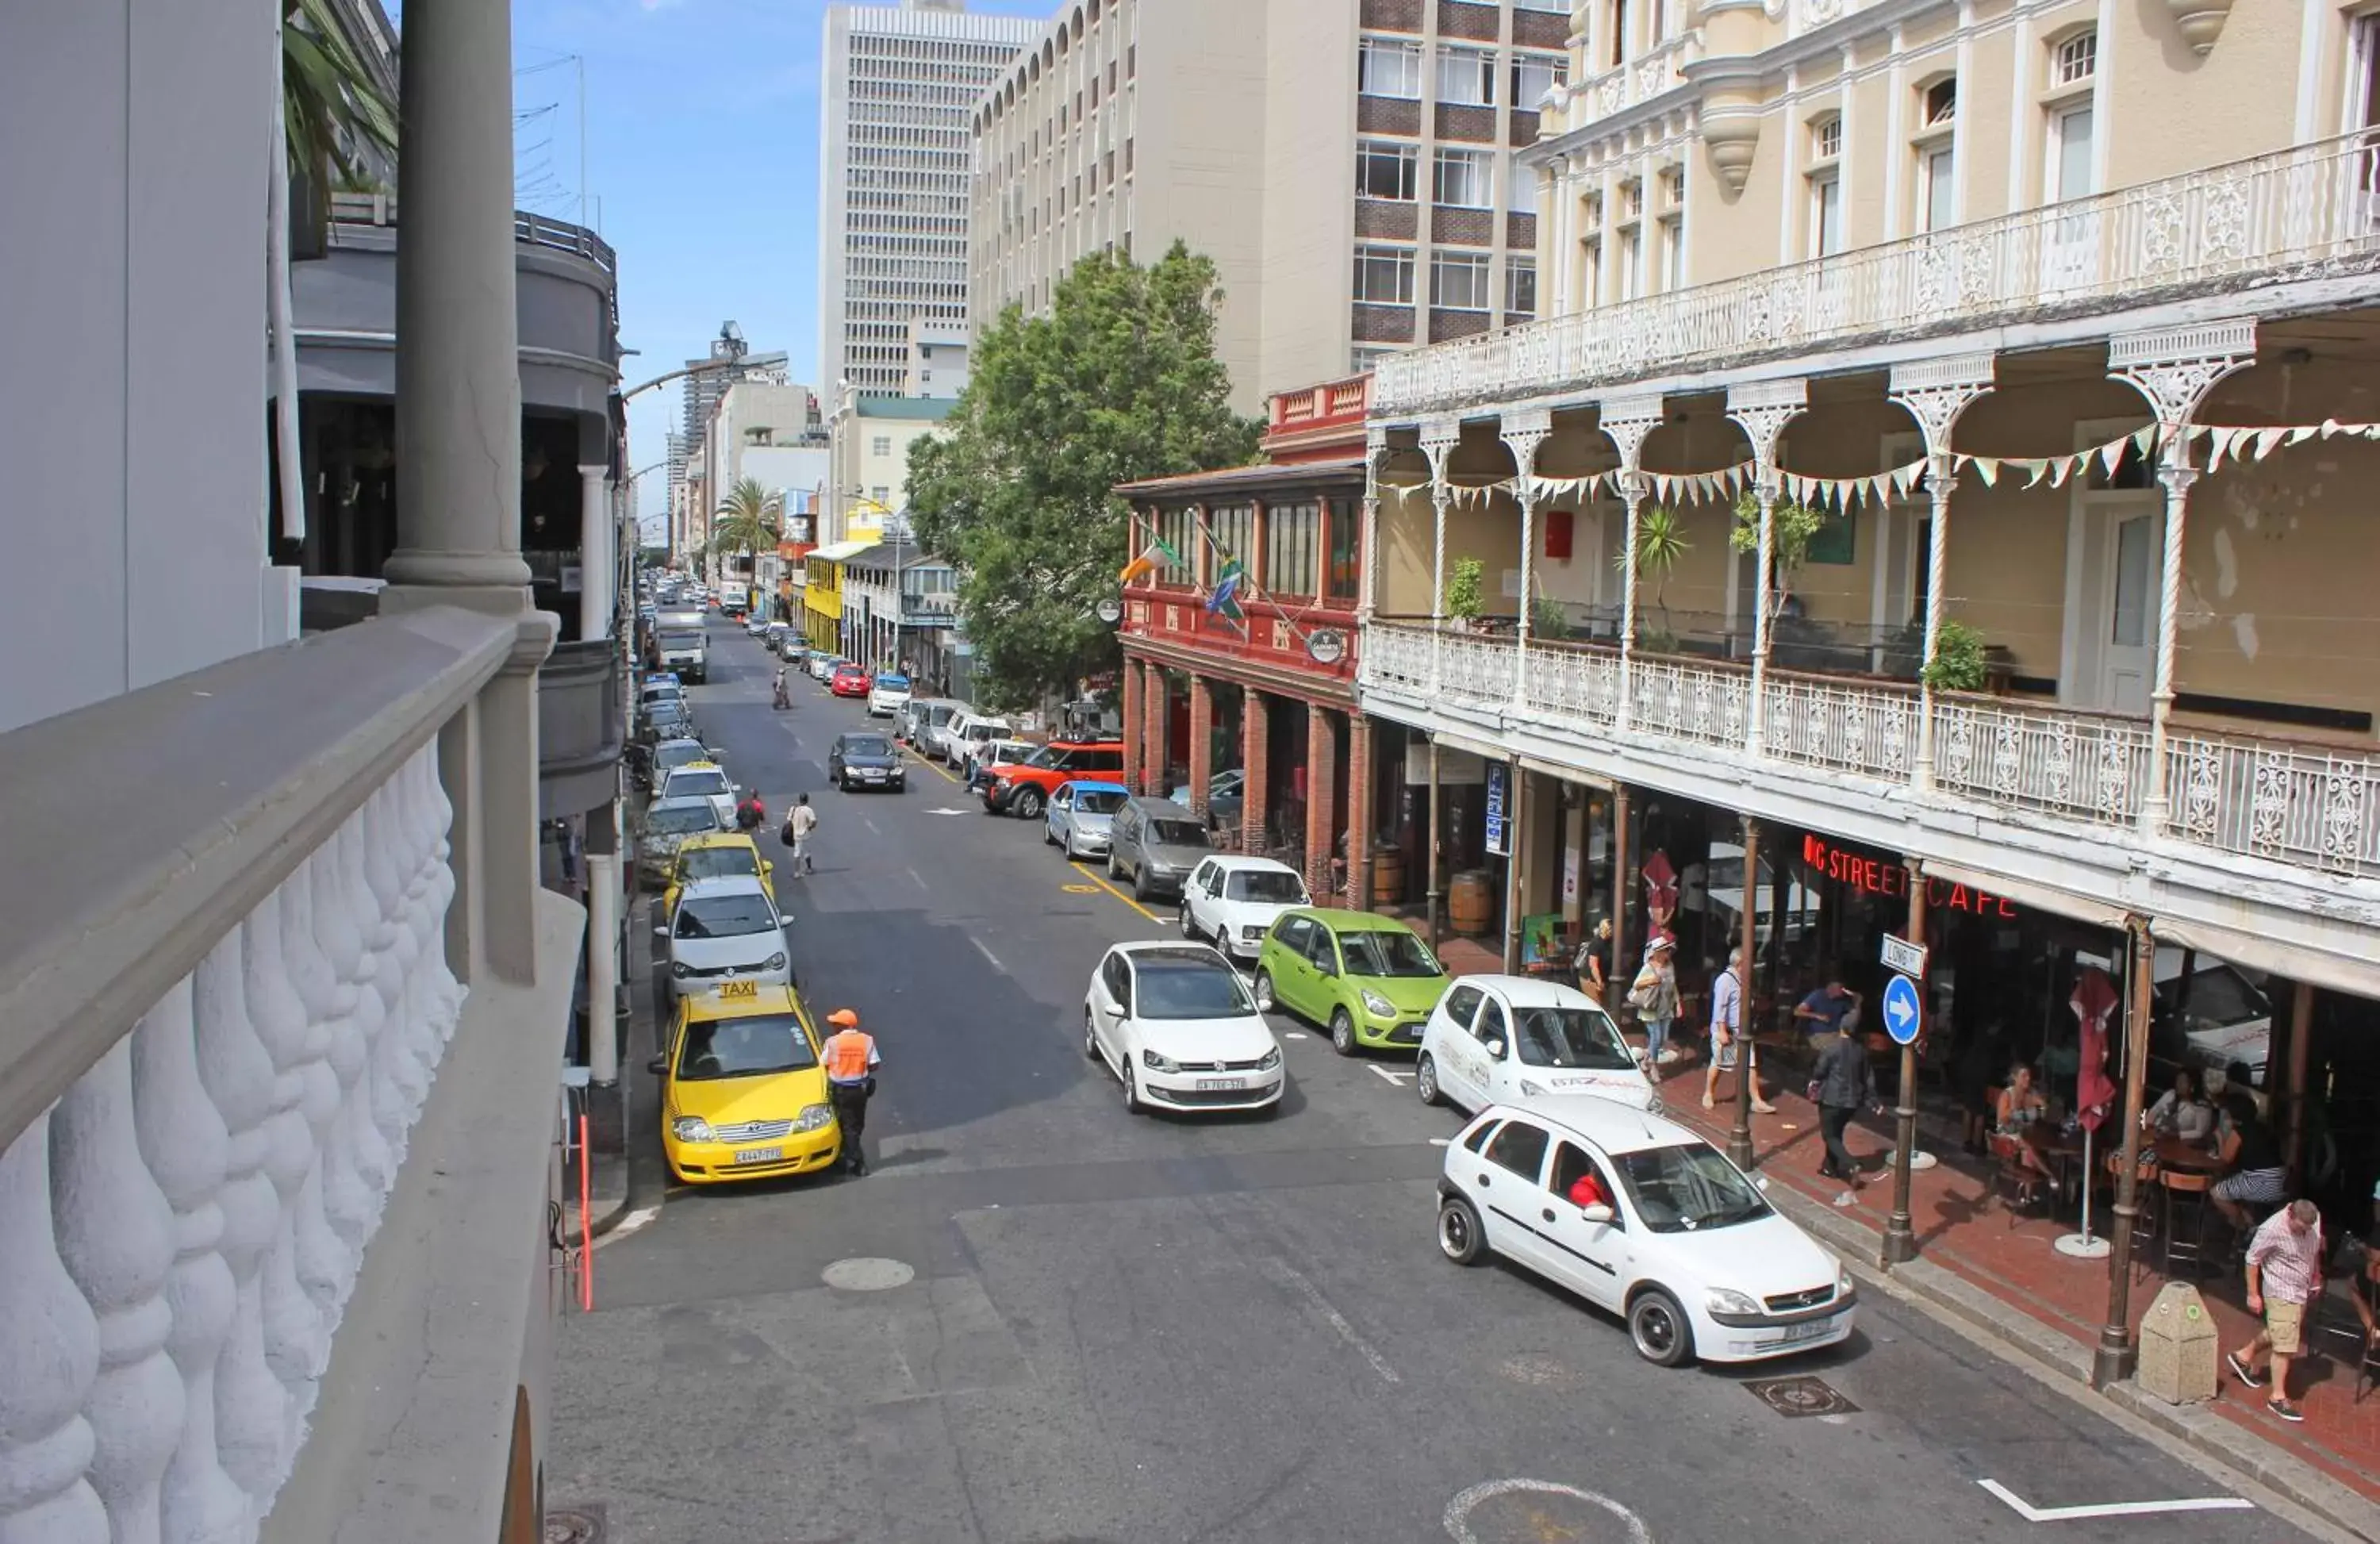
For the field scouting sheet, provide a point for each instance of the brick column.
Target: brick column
(1321, 800)
(1132, 724)
(1202, 741)
(1256, 739)
(1152, 731)
(1359, 808)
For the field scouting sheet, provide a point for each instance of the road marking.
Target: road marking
(988, 956)
(1441, 1141)
(1294, 1035)
(938, 771)
(1287, 1275)
(921, 883)
(1395, 1079)
(946, 812)
(871, 825)
(640, 1218)
(1114, 892)
(2032, 1513)
(1080, 889)
(1459, 1509)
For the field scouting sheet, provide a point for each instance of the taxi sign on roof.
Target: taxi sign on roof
(732, 991)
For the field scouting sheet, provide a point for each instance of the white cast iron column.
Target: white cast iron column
(1763, 411)
(1626, 421)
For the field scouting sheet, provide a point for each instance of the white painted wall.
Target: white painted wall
(132, 403)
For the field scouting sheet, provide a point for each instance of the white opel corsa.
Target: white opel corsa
(1176, 1026)
(1647, 1221)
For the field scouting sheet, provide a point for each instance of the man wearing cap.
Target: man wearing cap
(851, 1063)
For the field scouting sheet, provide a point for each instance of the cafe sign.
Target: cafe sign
(1883, 877)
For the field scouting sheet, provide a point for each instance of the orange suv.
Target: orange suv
(1023, 788)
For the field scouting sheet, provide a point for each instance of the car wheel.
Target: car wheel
(1048, 837)
(1343, 1032)
(1090, 1037)
(1266, 1002)
(1425, 1080)
(1132, 1101)
(1660, 1329)
(1028, 804)
(1140, 885)
(1113, 872)
(1460, 1237)
(1189, 928)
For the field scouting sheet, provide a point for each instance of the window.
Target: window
(1230, 533)
(1519, 1148)
(1466, 77)
(1826, 138)
(1632, 266)
(1520, 187)
(1673, 254)
(2071, 171)
(2077, 59)
(1385, 169)
(1938, 190)
(1387, 68)
(1941, 102)
(1826, 213)
(1458, 281)
(1291, 530)
(880, 493)
(1520, 288)
(1534, 75)
(1464, 177)
(880, 445)
(1462, 1002)
(1345, 577)
(1384, 275)
(1177, 527)
(1618, 33)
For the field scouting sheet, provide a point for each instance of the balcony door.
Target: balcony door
(2070, 246)
(2132, 542)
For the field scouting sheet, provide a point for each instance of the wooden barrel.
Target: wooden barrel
(1467, 902)
(1387, 876)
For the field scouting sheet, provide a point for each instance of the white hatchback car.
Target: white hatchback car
(1177, 1026)
(1645, 1220)
(726, 930)
(701, 780)
(1235, 902)
(887, 695)
(1511, 1040)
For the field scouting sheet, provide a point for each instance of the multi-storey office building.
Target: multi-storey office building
(1349, 168)
(897, 88)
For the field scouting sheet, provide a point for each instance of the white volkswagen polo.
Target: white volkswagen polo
(1509, 1040)
(1176, 1026)
(1645, 1220)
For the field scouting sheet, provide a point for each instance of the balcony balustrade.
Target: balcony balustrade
(1624, 86)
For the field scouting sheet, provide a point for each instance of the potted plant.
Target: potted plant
(1960, 663)
(1465, 599)
(1549, 618)
(1660, 541)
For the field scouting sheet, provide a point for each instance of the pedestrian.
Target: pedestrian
(1843, 1084)
(1828, 1009)
(1587, 963)
(1727, 1036)
(800, 820)
(783, 700)
(851, 1063)
(750, 814)
(1653, 995)
(2284, 1275)
(2255, 1173)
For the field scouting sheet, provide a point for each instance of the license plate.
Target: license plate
(1220, 1085)
(760, 1155)
(1815, 1329)
(739, 989)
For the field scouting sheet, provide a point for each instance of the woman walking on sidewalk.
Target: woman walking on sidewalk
(1653, 995)
(1842, 1085)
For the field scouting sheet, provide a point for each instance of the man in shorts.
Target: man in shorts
(800, 824)
(2284, 1279)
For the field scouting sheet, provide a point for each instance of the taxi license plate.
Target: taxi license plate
(1220, 1085)
(739, 989)
(1815, 1329)
(760, 1155)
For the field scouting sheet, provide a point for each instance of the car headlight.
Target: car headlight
(1531, 1089)
(1272, 1059)
(1721, 1300)
(1379, 1007)
(692, 1128)
(680, 971)
(814, 1117)
(1842, 1281)
(774, 962)
(1155, 1063)
(1251, 934)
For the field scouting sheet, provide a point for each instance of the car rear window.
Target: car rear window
(1099, 801)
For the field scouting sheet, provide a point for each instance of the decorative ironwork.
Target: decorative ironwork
(2176, 367)
(2291, 804)
(2086, 767)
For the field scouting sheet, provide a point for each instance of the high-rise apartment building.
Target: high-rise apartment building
(898, 88)
(731, 359)
(1350, 168)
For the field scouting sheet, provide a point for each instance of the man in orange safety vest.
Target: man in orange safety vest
(851, 1063)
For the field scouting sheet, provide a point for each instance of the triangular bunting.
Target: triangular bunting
(2302, 433)
(2269, 440)
(1988, 468)
(2111, 456)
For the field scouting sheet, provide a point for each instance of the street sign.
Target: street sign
(1498, 819)
(1907, 958)
(1904, 1012)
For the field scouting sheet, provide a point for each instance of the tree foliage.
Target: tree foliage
(338, 115)
(1118, 381)
(749, 518)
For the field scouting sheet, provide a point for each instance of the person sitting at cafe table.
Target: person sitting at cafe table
(1823, 1012)
(2021, 1108)
(2181, 1110)
(2254, 1177)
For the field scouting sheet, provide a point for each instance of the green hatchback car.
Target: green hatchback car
(1371, 979)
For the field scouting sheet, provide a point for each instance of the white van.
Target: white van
(964, 730)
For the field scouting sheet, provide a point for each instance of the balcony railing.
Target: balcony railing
(2296, 212)
(1624, 86)
(535, 230)
(2308, 806)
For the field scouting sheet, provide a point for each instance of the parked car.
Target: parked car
(717, 855)
(848, 680)
(865, 759)
(773, 636)
(665, 824)
(794, 649)
(666, 720)
(1682, 1247)
(1516, 1040)
(1368, 979)
(1235, 901)
(1022, 788)
(1177, 1029)
(754, 626)
(1153, 842)
(1079, 813)
(921, 719)
(822, 664)
(724, 929)
(701, 780)
(887, 695)
(743, 1093)
(670, 755)
(963, 729)
(984, 755)
(1226, 796)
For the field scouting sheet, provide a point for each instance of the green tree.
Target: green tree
(747, 519)
(1118, 381)
(338, 115)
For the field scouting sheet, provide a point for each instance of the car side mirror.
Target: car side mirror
(660, 935)
(1325, 967)
(1598, 1212)
(736, 787)
(1494, 1049)
(658, 1065)
(784, 918)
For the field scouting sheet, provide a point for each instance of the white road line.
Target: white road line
(1394, 1079)
(921, 883)
(871, 825)
(1287, 1275)
(1294, 1035)
(1440, 1141)
(988, 956)
(2112, 1509)
(636, 1219)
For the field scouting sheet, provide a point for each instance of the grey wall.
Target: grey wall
(134, 137)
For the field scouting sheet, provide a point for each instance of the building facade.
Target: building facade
(938, 360)
(869, 456)
(899, 606)
(729, 360)
(1349, 168)
(896, 87)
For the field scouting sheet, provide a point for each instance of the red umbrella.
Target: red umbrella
(1660, 886)
(2093, 1002)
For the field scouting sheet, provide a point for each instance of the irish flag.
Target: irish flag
(1157, 555)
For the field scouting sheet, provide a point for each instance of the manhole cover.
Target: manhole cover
(1796, 1397)
(862, 1274)
(574, 1525)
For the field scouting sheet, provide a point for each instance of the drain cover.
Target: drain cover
(574, 1525)
(1796, 1397)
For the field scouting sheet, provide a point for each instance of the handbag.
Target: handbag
(785, 831)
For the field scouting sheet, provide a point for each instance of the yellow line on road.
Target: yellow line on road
(934, 767)
(1111, 889)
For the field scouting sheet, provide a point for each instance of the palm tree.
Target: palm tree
(340, 122)
(749, 518)
(1660, 541)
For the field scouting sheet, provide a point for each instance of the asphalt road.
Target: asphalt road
(1039, 1320)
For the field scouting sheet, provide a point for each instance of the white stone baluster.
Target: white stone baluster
(341, 911)
(257, 1105)
(184, 1141)
(392, 849)
(438, 814)
(116, 1235)
(346, 1200)
(391, 1105)
(49, 1360)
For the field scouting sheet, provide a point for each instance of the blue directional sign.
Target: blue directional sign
(1499, 837)
(1904, 1010)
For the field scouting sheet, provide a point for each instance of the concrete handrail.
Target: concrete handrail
(140, 830)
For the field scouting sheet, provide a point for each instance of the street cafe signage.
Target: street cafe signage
(1879, 876)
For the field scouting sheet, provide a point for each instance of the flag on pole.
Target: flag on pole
(1224, 599)
(1155, 555)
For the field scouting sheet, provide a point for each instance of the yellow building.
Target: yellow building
(823, 594)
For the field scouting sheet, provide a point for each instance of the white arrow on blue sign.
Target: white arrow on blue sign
(1905, 1010)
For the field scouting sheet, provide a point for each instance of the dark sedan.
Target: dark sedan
(859, 759)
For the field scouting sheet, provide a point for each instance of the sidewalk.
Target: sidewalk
(614, 1114)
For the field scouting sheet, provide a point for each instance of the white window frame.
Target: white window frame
(1476, 183)
(1516, 269)
(1554, 68)
(1826, 191)
(1929, 152)
(1401, 261)
(1519, 186)
(1387, 68)
(2075, 59)
(1474, 268)
(1462, 69)
(1407, 156)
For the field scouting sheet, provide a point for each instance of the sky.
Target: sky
(701, 171)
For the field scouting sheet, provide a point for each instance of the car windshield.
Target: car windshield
(1582, 1037)
(1099, 801)
(891, 683)
(865, 745)
(1174, 989)
(1177, 834)
(682, 821)
(670, 757)
(1389, 953)
(1267, 887)
(726, 917)
(744, 1048)
(1044, 756)
(1688, 1188)
(697, 783)
(738, 861)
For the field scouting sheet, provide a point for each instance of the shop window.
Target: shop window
(1230, 533)
(1291, 532)
(1347, 573)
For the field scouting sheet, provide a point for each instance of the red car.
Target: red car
(848, 680)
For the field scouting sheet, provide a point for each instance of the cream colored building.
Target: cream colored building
(2044, 308)
(1349, 167)
(869, 459)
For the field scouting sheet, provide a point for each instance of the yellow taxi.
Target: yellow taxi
(712, 855)
(743, 1091)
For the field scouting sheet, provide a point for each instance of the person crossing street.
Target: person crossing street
(800, 821)
(851, 1063)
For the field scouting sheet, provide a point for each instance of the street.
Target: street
(1040, 1318)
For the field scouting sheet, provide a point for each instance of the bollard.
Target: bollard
(2179, 1348)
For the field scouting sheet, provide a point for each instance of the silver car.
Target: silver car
(1155, 843)
(1081, 814)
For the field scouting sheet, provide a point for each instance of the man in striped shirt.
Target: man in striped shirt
(2284, 1278)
